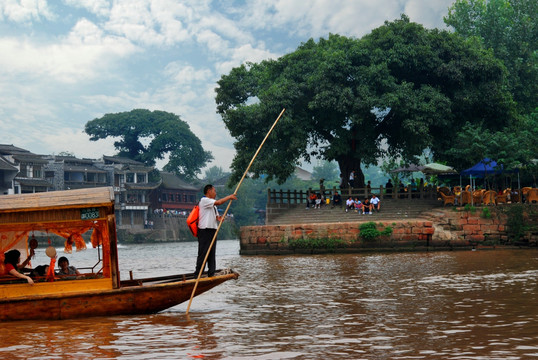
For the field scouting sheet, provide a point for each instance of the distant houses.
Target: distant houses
(137, 197)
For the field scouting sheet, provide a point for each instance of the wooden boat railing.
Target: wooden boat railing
(161, 279)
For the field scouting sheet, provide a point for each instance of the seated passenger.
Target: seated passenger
(39, 271)
(318, 201)
(311, 201)
(337, 199)
(11, 264)
(366, 208)
(358, 205)
(374, 203)
(65, 269)
(350, 204)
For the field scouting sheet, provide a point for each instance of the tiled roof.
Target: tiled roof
(10, 149)
(4, 165)
(29, 157)
(82, 168)
(141, 186)
(172, 181)
(121, 160)
(33, 182)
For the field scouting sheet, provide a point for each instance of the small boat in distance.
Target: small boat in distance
(98, 290)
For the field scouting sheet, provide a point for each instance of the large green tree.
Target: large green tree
(510, 29)
(396, 91)
(164, 133)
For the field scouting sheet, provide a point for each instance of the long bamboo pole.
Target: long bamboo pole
(228, 207)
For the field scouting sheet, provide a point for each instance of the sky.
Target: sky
(66, 62)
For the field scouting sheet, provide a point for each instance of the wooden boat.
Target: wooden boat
(98, 292)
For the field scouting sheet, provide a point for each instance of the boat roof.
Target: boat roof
(90, 197)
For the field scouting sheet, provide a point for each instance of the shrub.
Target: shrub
(324, 243)
(486, 214)
(369, 232)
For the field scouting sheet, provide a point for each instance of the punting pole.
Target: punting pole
(227, 207)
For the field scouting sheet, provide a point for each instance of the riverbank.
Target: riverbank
(439, 229)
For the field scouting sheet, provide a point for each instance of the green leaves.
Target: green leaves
(164, 133)
(397, 91)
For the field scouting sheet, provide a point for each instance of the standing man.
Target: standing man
(352, 179)
(207, 226)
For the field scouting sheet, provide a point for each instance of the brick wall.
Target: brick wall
(444, 229)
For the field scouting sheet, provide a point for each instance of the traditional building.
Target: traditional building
(131, 188)
(29, 167)
(69, 172)
(173, 194)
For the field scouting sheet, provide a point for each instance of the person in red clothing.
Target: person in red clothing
(11, 264)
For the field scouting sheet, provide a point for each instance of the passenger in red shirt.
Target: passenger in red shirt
(11, 265)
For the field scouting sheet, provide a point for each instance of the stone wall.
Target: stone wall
(443, 229)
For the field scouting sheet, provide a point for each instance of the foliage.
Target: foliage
(486, 214)
(515, 224)
(326, 170)
(369, 232)
(401, 86)
(324, 243)
(469, 208)
(165, 133)
(214, 173)
(513, 146)
(509, 28)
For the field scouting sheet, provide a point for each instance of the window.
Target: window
(23, 171)
(141, 178)
(129, 177)
(37, 173)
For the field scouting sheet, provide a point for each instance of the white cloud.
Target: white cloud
(97, 7)
(243, 54)
(429, 13)
(186, 74)
(77, 142)
(154, 54)
(82, 54)
(25, 11)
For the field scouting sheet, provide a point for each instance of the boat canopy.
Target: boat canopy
(69, 214)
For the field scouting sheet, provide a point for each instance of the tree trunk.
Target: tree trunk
(346, 166)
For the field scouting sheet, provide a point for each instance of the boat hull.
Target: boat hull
(128, 300)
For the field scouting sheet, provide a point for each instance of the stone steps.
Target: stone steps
(390, 210)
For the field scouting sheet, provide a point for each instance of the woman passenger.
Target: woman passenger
(11, 262)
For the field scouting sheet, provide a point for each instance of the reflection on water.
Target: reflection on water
(459, 305)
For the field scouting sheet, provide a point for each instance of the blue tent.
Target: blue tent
(484, 167)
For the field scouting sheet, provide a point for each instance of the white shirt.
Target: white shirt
(349, 202)
(208, 214)
(374, 200)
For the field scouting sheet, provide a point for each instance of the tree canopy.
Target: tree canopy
(396, 91)
(510, 29)
(165, 134)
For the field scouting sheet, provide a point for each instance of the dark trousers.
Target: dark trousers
(205, 236)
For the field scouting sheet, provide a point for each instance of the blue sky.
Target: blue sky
(66, 62)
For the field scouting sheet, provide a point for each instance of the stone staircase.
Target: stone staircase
(390, 210)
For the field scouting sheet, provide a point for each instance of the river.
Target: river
(437, 305)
